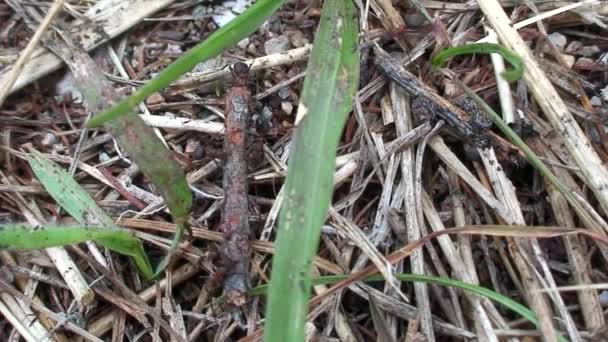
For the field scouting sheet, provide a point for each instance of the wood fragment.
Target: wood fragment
(235, 250)
(425, 98)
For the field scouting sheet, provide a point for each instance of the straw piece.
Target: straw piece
(596, 175)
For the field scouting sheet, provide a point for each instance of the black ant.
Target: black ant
(241, 73)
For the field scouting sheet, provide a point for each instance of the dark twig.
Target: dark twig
(426, 98)
(235, 251)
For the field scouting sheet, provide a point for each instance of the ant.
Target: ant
(241, 73)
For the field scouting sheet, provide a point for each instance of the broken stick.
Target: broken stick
(235, 251)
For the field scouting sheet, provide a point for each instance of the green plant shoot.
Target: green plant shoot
(510, 75)
(331, 82)
(514, 306)
(22, 237)
(231, 33)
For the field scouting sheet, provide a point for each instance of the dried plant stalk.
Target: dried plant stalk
(235, 216)
(595, 174)
(103, 21)
(25, 56)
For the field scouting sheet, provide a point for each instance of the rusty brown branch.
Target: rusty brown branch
(235, 250)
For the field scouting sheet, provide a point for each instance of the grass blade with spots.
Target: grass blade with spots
(231, 33)
(158, 164)
(67, 192)
(22, 237)
(77, 202)
(331, 81)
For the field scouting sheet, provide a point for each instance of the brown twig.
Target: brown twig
(121, 189)
(235, 251)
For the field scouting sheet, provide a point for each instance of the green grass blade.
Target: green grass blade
(67, 192)
(130, 246)
(479, 290)
(231, 33)
(22, 237)
(510, 75)
(158, 164)
(331, 81)
(77, 202)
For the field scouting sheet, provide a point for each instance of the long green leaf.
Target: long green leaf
(158, 164)
(18, 236)
(231, 33)
(331, 81)
(479, 290)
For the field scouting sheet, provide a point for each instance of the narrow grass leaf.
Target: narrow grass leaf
(510, 75)
(67, 192)
(77, 202)
(158, 164)
(22, 237)
(231, 33)
(331, 81)
(514, 306)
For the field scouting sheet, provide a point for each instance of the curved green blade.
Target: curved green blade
(514, 306)
(19, 236)
(510, 75)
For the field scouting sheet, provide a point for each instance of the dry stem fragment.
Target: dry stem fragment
(235, 251)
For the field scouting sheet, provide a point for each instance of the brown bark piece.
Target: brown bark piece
(235, 251)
